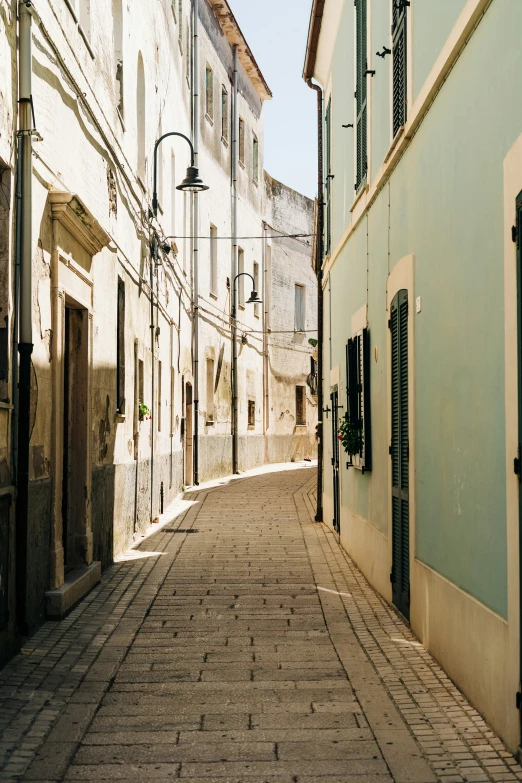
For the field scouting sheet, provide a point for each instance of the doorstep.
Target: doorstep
(78, 582)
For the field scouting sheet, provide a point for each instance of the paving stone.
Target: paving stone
(255, 652)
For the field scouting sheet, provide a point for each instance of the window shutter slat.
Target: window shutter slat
(367, 423)
(399, 49)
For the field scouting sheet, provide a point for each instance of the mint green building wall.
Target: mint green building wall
(444, 204)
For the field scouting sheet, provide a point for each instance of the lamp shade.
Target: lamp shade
(192, 182)
(254, 298)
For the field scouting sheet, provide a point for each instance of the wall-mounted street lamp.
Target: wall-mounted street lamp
(254, 299)
(192, 182)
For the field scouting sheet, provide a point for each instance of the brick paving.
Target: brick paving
(249, 649)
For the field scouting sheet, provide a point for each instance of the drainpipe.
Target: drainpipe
(319, 272)
(234, 154)
(25, 341)
(153, 371)
(266, 326)
(195, 196)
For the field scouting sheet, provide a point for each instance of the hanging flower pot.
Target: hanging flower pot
(143, 412)
(351, 437)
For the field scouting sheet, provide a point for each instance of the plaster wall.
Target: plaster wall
(441, 200)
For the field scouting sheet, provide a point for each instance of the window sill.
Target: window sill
(120, 117)
(120, 417)
(86, 40)
(300, 426)
(213, 295)
(140, 183)
(225, 141)
(71, 9)
(174, 14)
(180, 45)
(241, 164)
(251, 427)
(360, 193)
(209, 119)
(256, 182)
(210, 423)
(398, 136)
(241, 306)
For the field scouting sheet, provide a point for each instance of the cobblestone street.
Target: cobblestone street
(239, 643)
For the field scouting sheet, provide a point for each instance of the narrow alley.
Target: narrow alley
(239, 643)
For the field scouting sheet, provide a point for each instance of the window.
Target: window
(84, 14)
(187, 53)
(241, 141)
(159, 396)
(255, 158)
(256, 287)
(210, 391)
(267, 293)
(358, 394)
(180, 24)
(300, 308)
(361, 94)
(300, 406)
(140, 118)
(172, 394)
(120, 349)
(173, 194)
(213, 260)
(399, 54)
(209, 93)
(241, 280)
(328, 134)
(312, 378)
(141, 384)
(251, 413)
(117, 15)
(224, 114)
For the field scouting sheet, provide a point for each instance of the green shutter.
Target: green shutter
(328, 134)
(399, 49)
(367, 429)
(361, 93)
(400, 453)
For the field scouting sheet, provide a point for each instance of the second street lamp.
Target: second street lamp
(254, 299)
(192, 182)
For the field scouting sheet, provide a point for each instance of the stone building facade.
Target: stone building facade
(113, 363)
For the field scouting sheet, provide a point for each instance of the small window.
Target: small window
(210, 391)
(255, 159)
(328, 171)
(120, 349)
(399, 65)
(141, 383)
(172, 395)
(213, 260)
(172, 194)
(187, 53)
(251, 413)
(358, 395)
(209, 93)
(361, 95)
(300, 308)
(241, 141)
(241, 280)
(256, 287)
(224, 114)
(300, 405)
(84, 14)
(180, 24)
(159, 396)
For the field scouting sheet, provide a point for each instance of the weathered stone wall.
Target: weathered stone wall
(92, 147)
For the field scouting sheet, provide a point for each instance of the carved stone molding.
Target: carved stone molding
(79, 221)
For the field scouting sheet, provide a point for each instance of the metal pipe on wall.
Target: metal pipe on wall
(25, 341)
(320, 316)
(266, 326)
(234, 157)
(195, 141)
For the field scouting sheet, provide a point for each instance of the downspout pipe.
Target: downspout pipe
(234, 155)
(25, 338)
(319, 271)
(195, 96)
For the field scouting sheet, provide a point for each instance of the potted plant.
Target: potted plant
(143, 412)
(351, 437)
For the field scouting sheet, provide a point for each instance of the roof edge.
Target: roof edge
(314, 31)
(235, 37)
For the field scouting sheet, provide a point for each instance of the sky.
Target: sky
(276, 31)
